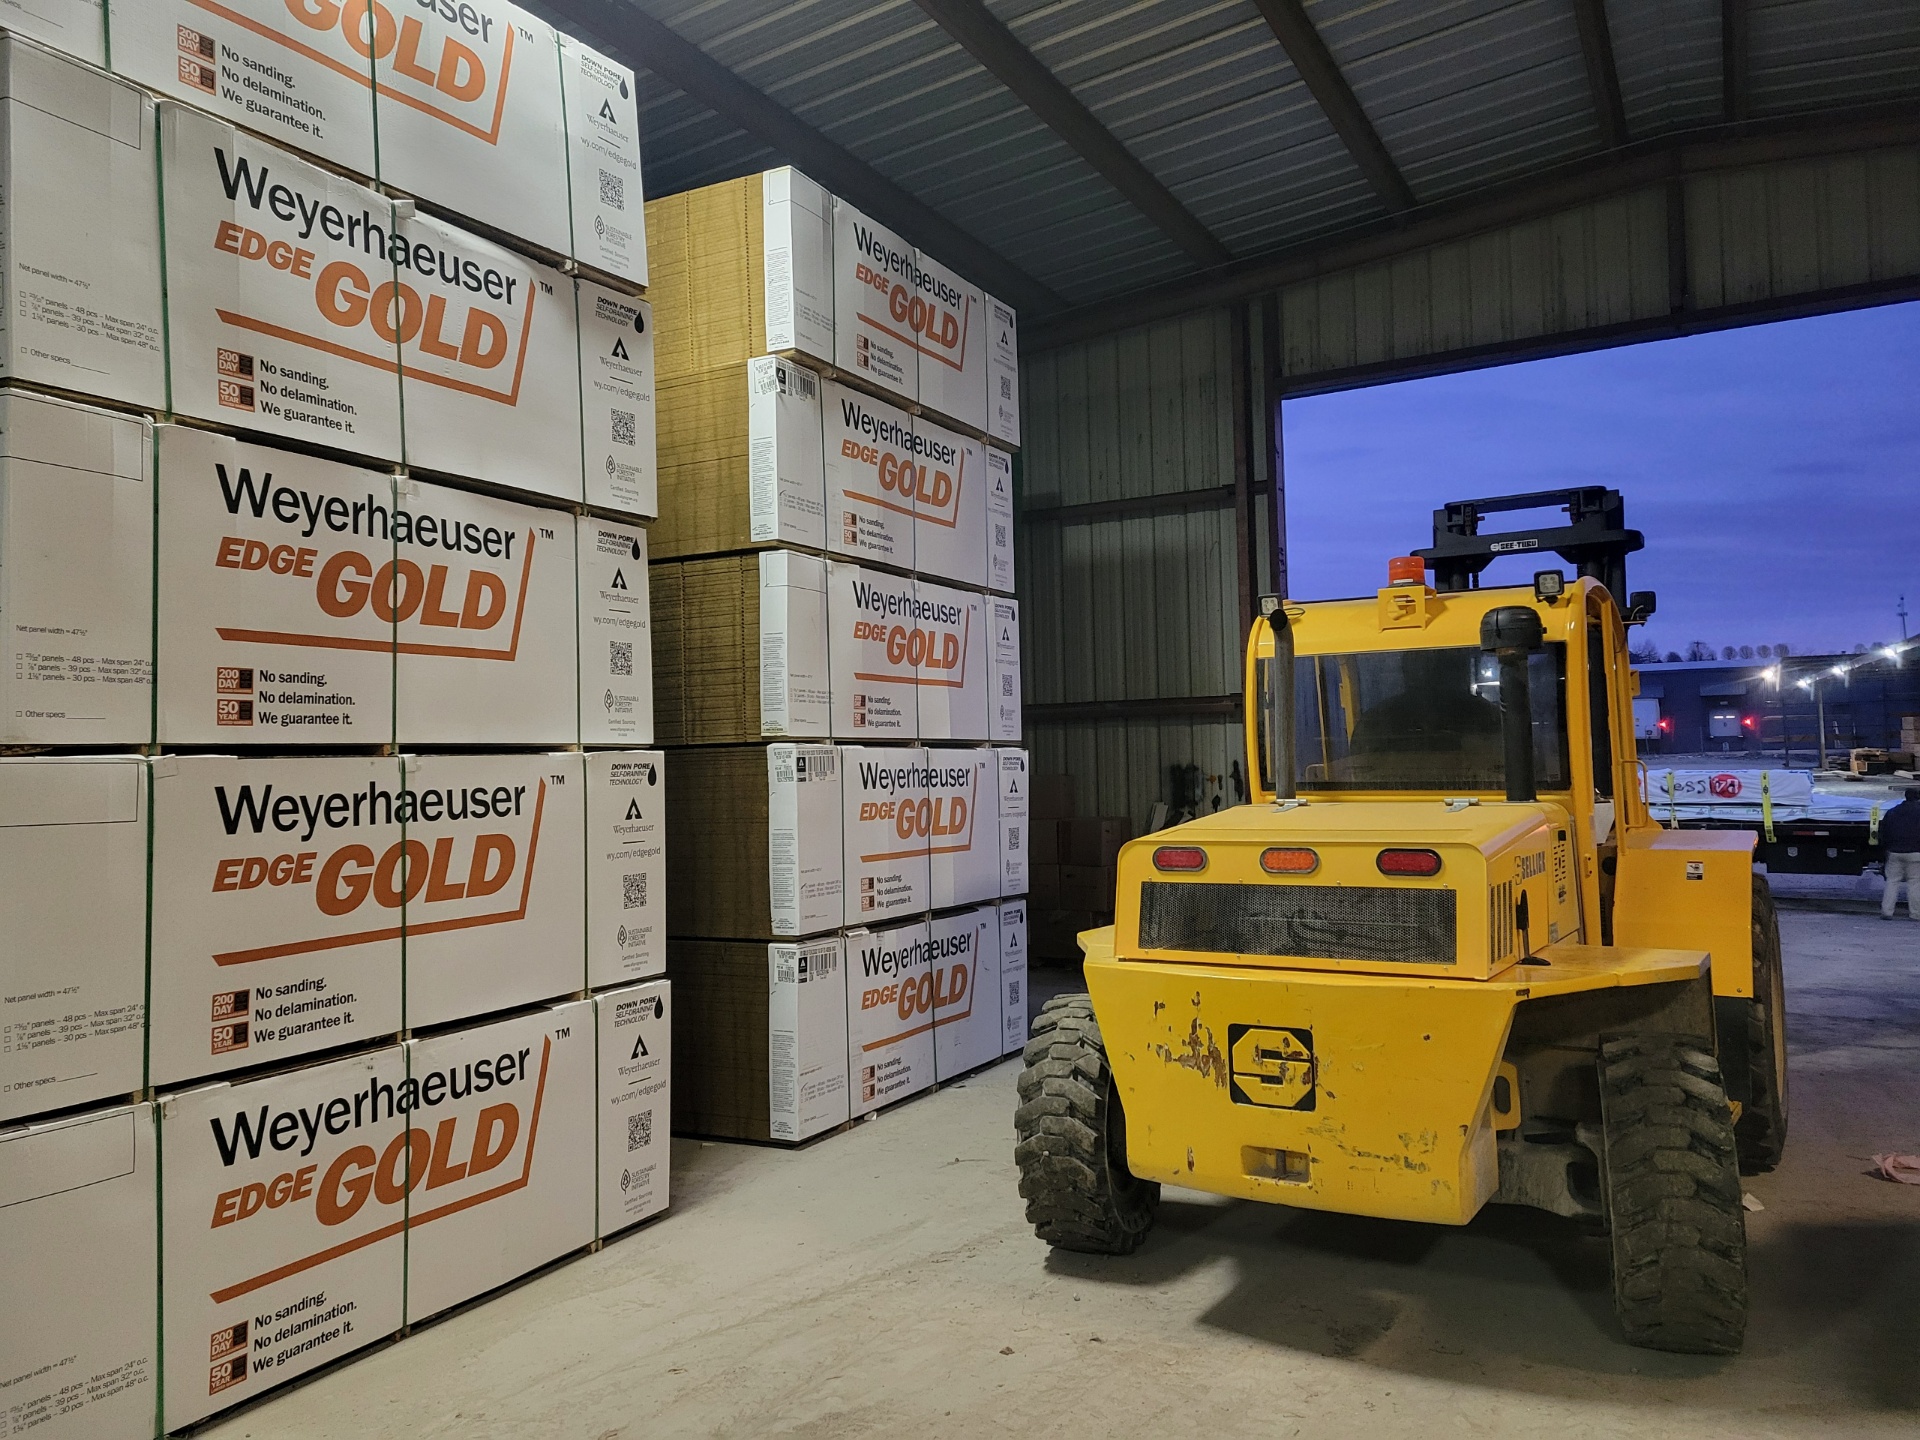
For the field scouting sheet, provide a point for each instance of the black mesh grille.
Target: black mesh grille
(1409, 926)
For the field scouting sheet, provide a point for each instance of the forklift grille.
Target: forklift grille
(1404, 925)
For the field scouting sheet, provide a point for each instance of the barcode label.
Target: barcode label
(633, 890)
(623, 427)
(620, 657)
(613, 191)
(639, 1130)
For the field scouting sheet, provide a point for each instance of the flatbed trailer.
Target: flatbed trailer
(1804, 825)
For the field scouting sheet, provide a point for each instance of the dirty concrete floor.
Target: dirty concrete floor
(883, 1282)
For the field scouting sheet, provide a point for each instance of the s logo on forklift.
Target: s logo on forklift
(1273, 1066)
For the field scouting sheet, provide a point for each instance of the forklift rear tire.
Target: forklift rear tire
(1072, 1139)
(1762, 1127)
(1672, 1181)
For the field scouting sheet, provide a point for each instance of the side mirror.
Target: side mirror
(1640, 607)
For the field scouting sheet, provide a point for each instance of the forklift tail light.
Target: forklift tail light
(1179, 857)
(1409, 862)
(1289, 860)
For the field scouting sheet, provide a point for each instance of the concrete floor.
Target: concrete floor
(883, 1282)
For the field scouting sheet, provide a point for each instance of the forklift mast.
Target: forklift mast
(1595, 541)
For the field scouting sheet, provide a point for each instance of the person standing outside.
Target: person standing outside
(1900, 844)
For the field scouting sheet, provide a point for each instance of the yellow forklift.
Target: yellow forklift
(1445, 958)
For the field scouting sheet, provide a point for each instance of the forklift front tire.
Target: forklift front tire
(1071, 1142)
(1762, 1127)
(1672, 1181)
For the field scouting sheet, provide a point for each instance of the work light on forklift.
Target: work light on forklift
(1409, 862)
(1289, 860)
(1179, 857)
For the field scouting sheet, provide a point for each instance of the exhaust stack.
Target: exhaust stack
(1513, 632)
(1280, 756)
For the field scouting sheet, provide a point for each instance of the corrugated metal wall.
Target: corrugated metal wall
(1764, 234)
(1132, 607)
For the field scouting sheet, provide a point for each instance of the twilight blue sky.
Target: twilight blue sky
(1775, 472)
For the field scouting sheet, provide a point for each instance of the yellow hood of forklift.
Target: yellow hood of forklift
(1500, 888)
(1488, 825)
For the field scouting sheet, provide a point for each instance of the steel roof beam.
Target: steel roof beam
(1646, 163)
(1596, 48)
(645, 44)
(1735, 34)
(983, 36)
(1315, 64)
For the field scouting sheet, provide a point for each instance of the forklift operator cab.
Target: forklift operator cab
(1445, 957)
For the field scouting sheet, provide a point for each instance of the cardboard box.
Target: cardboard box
(754, 841)
(80, 1253)
(73, 27)
(1053, 796)
(797, 264)
(873, 633)
(872, 274)
(967, 1028)
(806, 874)
(999, 520)
(616, 634)
(1014, 998)
(73, 969)
(963, 832)
(508, 1171)
(1016, 852)
(873, 473)
(496, 915)
(76, 574)
(886, 825)
(1094, 842)
(272, 324)
(291, 72)
(617, 434)
(1043, 884)
(950, 505)
(950, 643)
(947, 320)
(491, 359)
(277, 624)
(1003, 720)
(795, 686)
(890, 1000)
(759, 1038)
(635, 1042)
(282, 1206)
(278, 907)
(80, 296)
(626, 866)
(806, 1037)
(1087, 887)
(488, 653)
(471, 118)
(1003, 373)
(603, 162)
(740, 460)
(741, 269)
(740, 648)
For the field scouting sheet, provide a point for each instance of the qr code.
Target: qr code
(613, 191)
(639, 1130)
(1006, 387)
(620, 657)
(623, 427)
(633, 888)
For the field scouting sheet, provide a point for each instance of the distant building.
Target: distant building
(1698, 707)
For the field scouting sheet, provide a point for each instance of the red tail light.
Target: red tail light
(1290, 860)
(1409, 862)
(1179, 857)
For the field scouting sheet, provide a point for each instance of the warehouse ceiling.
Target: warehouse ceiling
(1079, 156)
